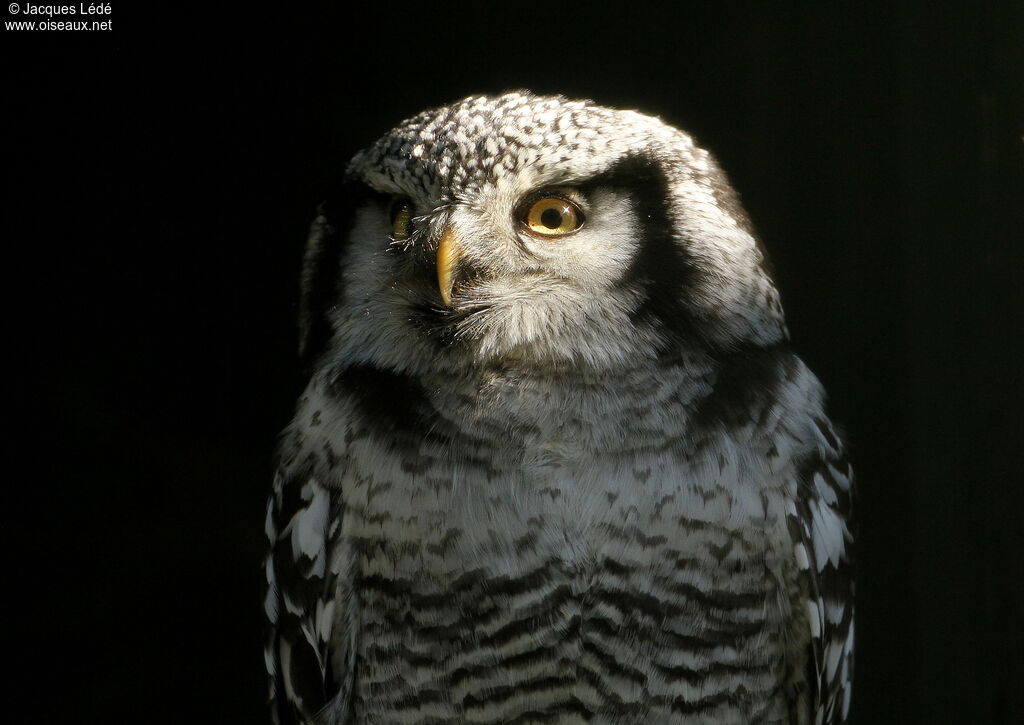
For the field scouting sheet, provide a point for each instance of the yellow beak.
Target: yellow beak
(447, 256)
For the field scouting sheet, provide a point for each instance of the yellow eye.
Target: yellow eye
(553, 217)
(401, 220)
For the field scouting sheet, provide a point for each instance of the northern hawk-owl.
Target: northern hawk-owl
(556, 461)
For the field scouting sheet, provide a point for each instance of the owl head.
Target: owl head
(531, 231)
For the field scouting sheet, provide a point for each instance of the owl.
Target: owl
(556, 461)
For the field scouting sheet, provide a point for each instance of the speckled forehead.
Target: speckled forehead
(459, 150)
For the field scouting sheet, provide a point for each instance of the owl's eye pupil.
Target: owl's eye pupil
(551, 218)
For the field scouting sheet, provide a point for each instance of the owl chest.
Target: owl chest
(549, 513)
(438, 517)
(575, 582)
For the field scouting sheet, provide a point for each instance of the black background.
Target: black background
(158, 182)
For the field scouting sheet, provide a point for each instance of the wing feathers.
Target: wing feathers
(300, 600)
(819, 525)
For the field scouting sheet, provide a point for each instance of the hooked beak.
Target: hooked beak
(448, 253)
